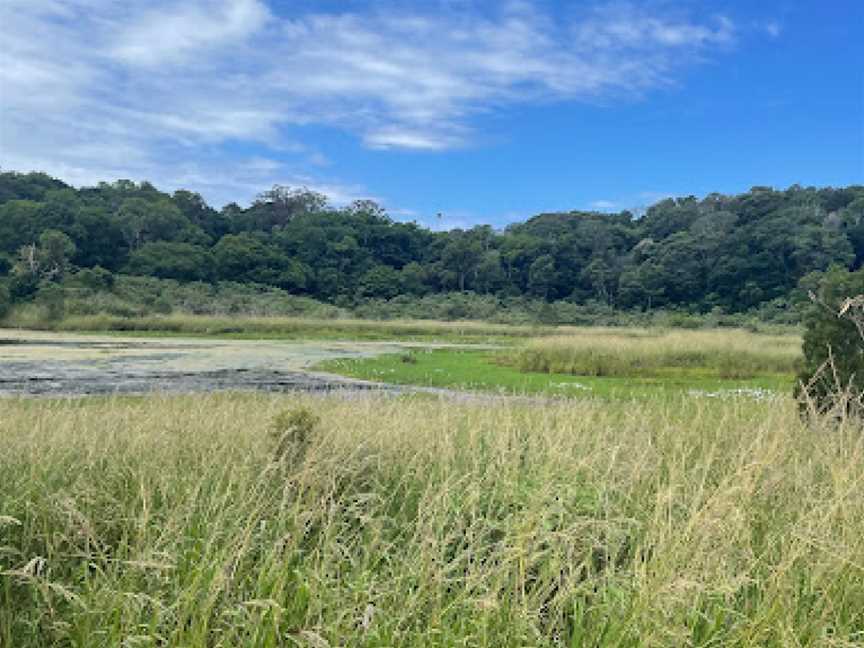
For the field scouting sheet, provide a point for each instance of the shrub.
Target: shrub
(53, 298)
(94, 279)
(832, 380)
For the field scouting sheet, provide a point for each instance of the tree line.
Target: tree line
(728, 252)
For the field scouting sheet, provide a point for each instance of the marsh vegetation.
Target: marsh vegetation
(651, 353)
(176, 521)
(603, 362)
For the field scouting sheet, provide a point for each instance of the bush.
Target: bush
(53, 298)
(5, 300)
(93, 279)
(833, 376)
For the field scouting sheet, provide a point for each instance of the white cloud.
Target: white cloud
(175, 33)
(388, 138)
(96, 89)
(636, 203)
(604, 205)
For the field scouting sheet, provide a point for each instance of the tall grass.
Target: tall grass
(247, 326)
(179, 522)
(725, 353)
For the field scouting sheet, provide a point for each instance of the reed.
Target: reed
(274, 326)
(724, 353)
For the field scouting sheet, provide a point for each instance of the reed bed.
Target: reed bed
(181, 521)
(284, 327)
(724, 353)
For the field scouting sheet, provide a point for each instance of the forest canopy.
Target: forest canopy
(732, 253)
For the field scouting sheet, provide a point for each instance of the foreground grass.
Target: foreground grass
(493, 371)
(167, 522)
(730, 353)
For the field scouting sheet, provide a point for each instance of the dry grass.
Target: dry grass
(167, 522)
(726, 353)
(248, 326)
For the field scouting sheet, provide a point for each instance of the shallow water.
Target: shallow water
(59, 364)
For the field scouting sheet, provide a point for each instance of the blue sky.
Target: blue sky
(481, 111)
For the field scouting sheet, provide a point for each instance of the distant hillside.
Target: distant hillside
(722, 252)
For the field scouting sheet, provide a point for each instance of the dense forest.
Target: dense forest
(722, 253)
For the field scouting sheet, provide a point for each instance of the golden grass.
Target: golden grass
(726, 353)
(167, 522)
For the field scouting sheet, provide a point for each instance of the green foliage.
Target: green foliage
(734, 253)
(94, 279)
(5, 299)
(53, 298)
(833, 345)
(23, 285)
(55, 251)
(171, 260)
(495, 372)
(381, 282)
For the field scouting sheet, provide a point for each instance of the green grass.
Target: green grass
(422, 523)
(484, 371)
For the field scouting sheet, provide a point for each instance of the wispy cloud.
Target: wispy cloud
(604, 205)
(773, 28)
(95, 89)
(636, 203)
(177, 33)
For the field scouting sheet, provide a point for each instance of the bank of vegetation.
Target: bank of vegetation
(127, 249)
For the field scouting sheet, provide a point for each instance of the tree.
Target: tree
(412, 279)
(243, 257)
(98, 238)
(642, 286)
(19, 224)
(603, 279)
(280, 205)
(541, 275)
(54, 251)
(144, 221)
(170, 260)
(381, 281)
(461, 256)
(47, 261)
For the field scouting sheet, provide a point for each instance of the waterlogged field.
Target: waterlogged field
(605, 363)
(188, 521)
(60, 364)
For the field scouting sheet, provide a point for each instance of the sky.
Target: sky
(447, 112)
